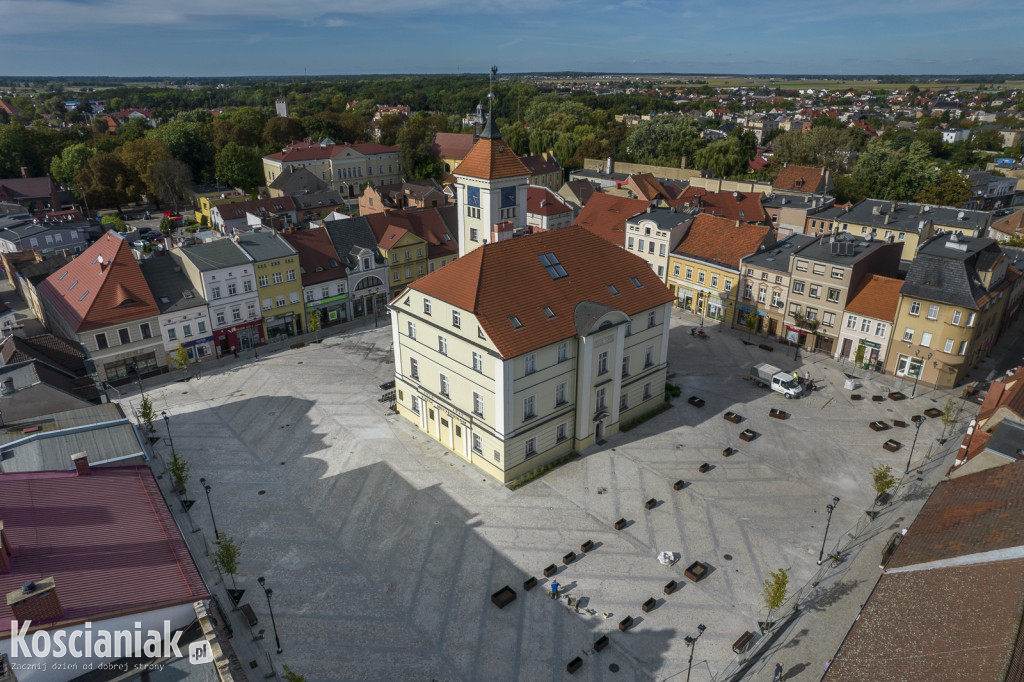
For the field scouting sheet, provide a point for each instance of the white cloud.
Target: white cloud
(334, 23)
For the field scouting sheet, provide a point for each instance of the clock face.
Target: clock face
(508, 197)
(473, 196)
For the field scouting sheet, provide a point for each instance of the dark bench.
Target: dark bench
(679, 485)
(741, 644)
(704, 468)
(778, 414)
(650, 504)
(695, 401)
(748, 435)
(732, 417)
(503, 597)
(933, 412)
(620, 524)
(696, 571)
(878, 426)
(250, 616)
(649, 605)
(892, 445)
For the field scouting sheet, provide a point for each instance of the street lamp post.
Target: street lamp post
(692, 643)
(918, 420)
(830, 508)
(216, 535)
(920, 371)
(138, 377)
(167, 423)
(266, 590)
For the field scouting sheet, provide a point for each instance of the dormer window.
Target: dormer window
(611, 288)
(515, 322)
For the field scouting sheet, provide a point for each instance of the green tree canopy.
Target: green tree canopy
(138, 157)
(171, 179)
(895, 174)
(389, 126)
(70, 161)
(415, 139)
(728, 157)
(190, 142)
(952, 189)
(282, 130)
(664, 140)
(240, 166)
(104, 180)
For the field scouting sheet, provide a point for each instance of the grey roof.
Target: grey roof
(777, 257)
(665, 218)
(794, 201)
(350, 234)
(105, 438)
(821, 249)
(298, 180)
(38, 271)
(947, 216)
(830, 213)
(490, 131)
(1007, 439)
(20, 227)
(946, 270)
(325, 199)
(170, 287)
(221, 253)
(599, 175)
(264, 246)
(587, 313)
(900, 217)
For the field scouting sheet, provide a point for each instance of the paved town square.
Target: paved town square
(382, 549)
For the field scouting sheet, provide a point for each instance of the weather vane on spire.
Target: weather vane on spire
(490, 90)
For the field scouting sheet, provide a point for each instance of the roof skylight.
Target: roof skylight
(551, 264)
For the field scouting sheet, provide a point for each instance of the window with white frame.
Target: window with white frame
(933, 312)
(689, 273)
(478, 444)
(915, 307)
(602, 399)
(442, 345)
(561, 393)
(798, 287)
(529, 407)
(445, 388)
(833, 295)
(649, 356)
(880, 329)
(412, 330)
(414, 368)
(815, 291)
(278, 278)
(837, 273)
(926, 339)
(811, 313)
(776, 299)
(530, 364)
(624, 401)
(851, 322)
(456, 319)
(956, 318)
(762, 295)
(828, 319)
(963, 348)
(281, 302)
(602, 363)
(220, 318)
(478, 362)
(971, 318)
(561, 432)
(531, 447)
(747, 291)
(714, 281)
(232, 289)
(172, 335)
(563, 351)
(186, 330)
(426, 306)
(700, 277)
(948, 347)
(478, 404)
(264, 281)
(647, 391)
(865, 325)
(818, 269)
(728, 284)
(652, 318)
(625, 366)
(268, 303)
(908, 335)
(675, 270)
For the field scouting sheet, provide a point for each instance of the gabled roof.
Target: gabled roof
(238, 209)
(743, 206)
(946, 273)
(646, 186)
(317, 257)
(37, 271)
(371, 148)
(478, 283)
(171, 288)
(1007, 393)
(800, 179)
(213, 255)
(542, 201)
(27, 188)
(29, 373)
(451, 145)
(426, 223)
(721, 241)
(63, 354)
(351, 235)
(539, 165)
(298, 180)
(491, 159)
(90, 294)
(107, 539)
(581, 190)
(1011, 224)
(605, 215)
(878, 297)
(264, 246)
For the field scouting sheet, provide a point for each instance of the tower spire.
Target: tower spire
(490, 131)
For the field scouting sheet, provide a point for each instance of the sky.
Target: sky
(177, 38)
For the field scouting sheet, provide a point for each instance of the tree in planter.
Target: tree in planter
(179, 469)
(882, 479)
(750, 322)
(179, 360)
(146, 413)
(950, 413)
(314, 324)
(292, 676)
(858, 358)
(775, 587)
(167, 226)
(226, 557)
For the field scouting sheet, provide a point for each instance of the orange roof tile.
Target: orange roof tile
(877, 297)
(490, 159)
(721, 241)
(478, 282)
(742, 206)
(646, 186)
(799, 179)
(552, 203)
(426, 223)
(606, 214)
(89, 294)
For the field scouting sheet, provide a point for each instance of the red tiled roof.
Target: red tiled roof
(451, 145)
(426, 223)
(720, 240)
(371, 148)
(88, 294)
(605, 215)
(26, 187)
(1008, 393)
(877, 297)
(538, 165)
(745, 207)
(1011, 224)
(478, 282)
(238, 209)
(553, 204)
(108, 539)
(490, 159)
(975, 513)
(308, 150)
(646, 186)
(799, 179)
(316, 252)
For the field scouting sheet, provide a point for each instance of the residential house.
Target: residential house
(951, 135)
(511, 383)
(545, 171)
(413, 242)
(1007, 227)
(950, 309)
(644, 186)
(960, 564)
(655, 233)
(792, 213)
(184, 313)
(224, 275)
(43, 374)
(990, 191)
(242, 216)
(344, 167)
(133, 567)
(25, 271)
(764, 286)
(35, 194)
(868, 322)
(101, 300)
(996, 435)
(277, 280)
(577, 193)
(545, 210)
(205, 203)
(803, 180)
(824, 274)
(745, 207)
(605, 215)
(418, 194)
(967, 222)
(26, 234)
(451, 148)
(907, 225)
(491, 187)
(316, 205)
(324, 279)
(296, 180)
(367, 268)
(704, 268)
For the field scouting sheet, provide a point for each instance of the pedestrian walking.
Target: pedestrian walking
(796, 377)
(234, 351)
(554, 589)
(777, 677)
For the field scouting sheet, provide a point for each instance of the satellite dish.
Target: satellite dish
(99, 259)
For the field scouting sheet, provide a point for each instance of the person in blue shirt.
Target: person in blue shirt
(554, 589)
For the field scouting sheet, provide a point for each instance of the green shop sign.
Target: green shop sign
(332, 299)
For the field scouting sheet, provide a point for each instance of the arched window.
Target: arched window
(367, 282)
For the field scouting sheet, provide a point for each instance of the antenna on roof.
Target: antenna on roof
(490, 91)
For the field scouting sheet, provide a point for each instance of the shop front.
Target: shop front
(281, 325)
(198, 349)
(123, 368)
(239, 337)
(706, 303)
(333, 310)
(796, 336)
(741, 318)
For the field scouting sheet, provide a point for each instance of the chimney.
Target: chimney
(887, 218)
(5, 551)
(737, 223)
(24, 171)
(36, 601)
(81, 462)
(876, 209)
(8, 386)
(608, 165)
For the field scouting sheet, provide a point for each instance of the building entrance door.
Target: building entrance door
(847, 345)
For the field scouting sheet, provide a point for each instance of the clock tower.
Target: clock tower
(491, 187)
